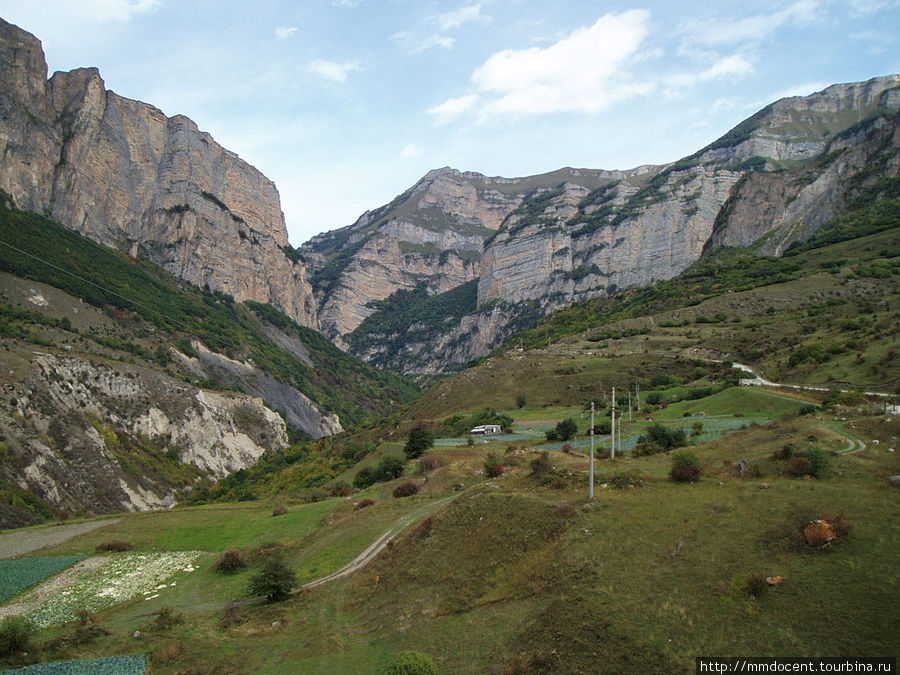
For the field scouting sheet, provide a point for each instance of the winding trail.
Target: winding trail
(377, 546)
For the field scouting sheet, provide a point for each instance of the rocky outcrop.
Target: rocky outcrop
(126, 175)
(86, 435)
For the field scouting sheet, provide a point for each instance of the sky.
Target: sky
(347, 103)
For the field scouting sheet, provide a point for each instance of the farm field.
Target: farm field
(512, 565)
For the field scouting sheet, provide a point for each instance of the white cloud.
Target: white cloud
(729, 67)
(345, 3)
(337, 72)
(586, 71)
(410, 150)
(720, 32)
(456, 18)
(284, 32)
(415, 45)
(453, 108)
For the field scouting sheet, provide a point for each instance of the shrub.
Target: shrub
(429, 463)
(406, 490)
(113, 546)
(15, 635)
(492, 466)
(685, 467)
(654, 398)
(389, 468)
(626, 479)
(165, 619)
(274, 581)
(661, 438)
(541, 465)
(365, 503)
(364, 478)
(808, 410)
(809, 463)
(423, 531)
(747, 587)
(410, 662)
(419, 440)
(279, 510)
(521, 400)
(231, 561)
(785, 452)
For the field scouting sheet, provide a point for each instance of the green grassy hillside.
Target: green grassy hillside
(154, 310)
(527, 572)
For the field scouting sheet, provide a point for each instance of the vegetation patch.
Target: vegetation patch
(127, 576)
(23, 573)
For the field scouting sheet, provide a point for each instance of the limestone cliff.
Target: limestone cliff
(773, 179)
(433, 233)
(126, 175)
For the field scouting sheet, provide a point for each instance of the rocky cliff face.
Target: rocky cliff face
(773, 179)
(434, 233)
(126, 175)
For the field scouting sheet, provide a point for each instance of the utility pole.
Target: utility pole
(629, 407)
(612, 426)
(591, 474)
(637, 387)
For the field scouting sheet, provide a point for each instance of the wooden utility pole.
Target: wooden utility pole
(591, 473)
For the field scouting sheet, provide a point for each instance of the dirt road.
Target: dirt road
(14, 544)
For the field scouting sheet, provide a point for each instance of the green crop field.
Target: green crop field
(18, 575)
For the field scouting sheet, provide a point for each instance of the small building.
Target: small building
(484, 430)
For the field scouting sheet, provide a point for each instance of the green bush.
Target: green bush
(15, 634)
(564, 430)
(275, 581)
(659, 439)
(685, 467)
(410, 662)
(809, 463)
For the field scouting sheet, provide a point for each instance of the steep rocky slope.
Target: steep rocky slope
(124, 174)
(769, 182)
(432, 234)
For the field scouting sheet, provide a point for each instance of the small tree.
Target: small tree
(521, 400)
(420, 439)
(492, 466)
(389, 468)
(275, 581)
(566, 429)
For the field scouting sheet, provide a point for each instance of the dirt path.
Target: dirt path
(14, 544)
(377, 546)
